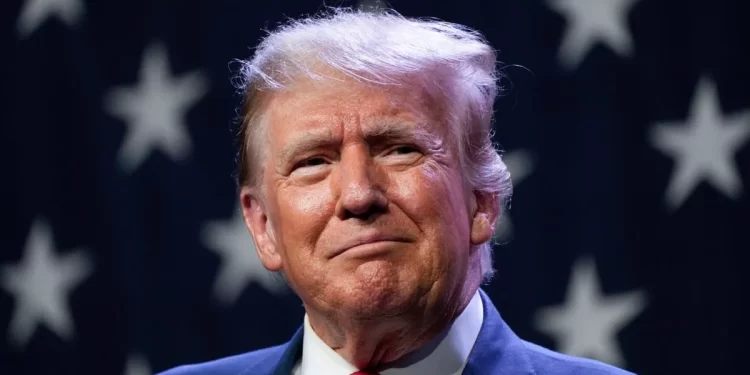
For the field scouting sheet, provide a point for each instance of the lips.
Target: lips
(365, 238)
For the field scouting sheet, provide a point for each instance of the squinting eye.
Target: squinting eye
(312, 162)
(403, 150)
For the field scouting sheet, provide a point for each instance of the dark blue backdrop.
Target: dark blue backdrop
(627, 129)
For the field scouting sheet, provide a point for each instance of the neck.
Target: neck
(373, 343)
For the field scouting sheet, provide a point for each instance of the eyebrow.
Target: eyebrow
(378, 131)
(388, 129)
(311, 140)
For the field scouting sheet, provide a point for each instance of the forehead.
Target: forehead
(309, 106)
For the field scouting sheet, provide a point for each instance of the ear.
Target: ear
(257, 223)
(485, 212)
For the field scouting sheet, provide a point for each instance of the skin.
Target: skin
(347, 164)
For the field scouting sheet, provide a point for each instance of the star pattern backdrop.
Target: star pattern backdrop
(625, 124)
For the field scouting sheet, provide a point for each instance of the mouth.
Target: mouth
(369, 245)
(370, 249)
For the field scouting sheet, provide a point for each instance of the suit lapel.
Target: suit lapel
(498, 350)
(280, 361)
(289, 357)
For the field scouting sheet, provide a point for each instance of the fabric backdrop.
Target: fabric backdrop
(626, 125)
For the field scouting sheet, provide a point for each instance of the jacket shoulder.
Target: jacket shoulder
(234, 365)
(548, 362)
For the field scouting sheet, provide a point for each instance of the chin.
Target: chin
(374, 290)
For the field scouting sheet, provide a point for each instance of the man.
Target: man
(368, 179)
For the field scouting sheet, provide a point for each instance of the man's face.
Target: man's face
(364, 208)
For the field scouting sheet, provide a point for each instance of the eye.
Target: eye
(403, 150)
(311, 162)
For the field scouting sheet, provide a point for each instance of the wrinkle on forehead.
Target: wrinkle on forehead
(376, 131)
(310, 113)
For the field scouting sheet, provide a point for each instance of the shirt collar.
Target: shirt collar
(446, 355)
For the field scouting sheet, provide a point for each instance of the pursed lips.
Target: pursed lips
(368, 238)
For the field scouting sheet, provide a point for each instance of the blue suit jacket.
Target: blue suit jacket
(497, 351)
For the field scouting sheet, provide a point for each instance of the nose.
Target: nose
(361, 196)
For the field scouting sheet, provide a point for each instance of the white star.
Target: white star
(588, 322)
(520, 164)
(240, 264)
(591, 21)
(35, 12)
(155, 109)
(41, 283)
(704, 147)
(137, 365)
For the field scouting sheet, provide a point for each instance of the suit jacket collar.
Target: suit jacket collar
(497, 351)
(291, 355)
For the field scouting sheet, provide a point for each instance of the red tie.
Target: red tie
(365, 373)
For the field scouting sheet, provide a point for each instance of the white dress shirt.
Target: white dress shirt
(446, 355)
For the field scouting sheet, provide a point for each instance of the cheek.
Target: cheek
(433, 198)
(433, 192)
(304, 212)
